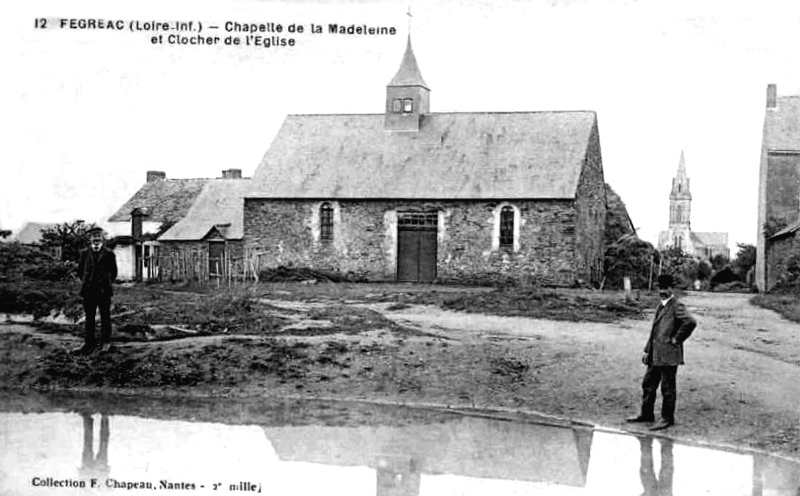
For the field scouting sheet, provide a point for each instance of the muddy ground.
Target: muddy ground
(739, 386)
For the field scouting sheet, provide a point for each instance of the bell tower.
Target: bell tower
(680, 209)
(407, 95)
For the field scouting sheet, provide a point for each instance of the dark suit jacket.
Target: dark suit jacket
(97, 278)
(671, 321)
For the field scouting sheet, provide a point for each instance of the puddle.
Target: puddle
(22, 318)
(88, 452)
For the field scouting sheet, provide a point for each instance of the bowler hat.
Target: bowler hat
(94, 230)
(665, 281)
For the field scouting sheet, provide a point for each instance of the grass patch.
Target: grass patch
(541, 304)
(788, 306)
(234, 311)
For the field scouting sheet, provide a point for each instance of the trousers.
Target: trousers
(667, 377)
(91, 303)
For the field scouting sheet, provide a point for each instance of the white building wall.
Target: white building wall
(124, 228)
(125, 261)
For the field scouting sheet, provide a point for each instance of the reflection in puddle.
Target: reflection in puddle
(83, 453)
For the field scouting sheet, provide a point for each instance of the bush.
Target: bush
(37, 301)
(299, 274)
(732, 287)
(19, 262)
(629, 257)
(52, 270)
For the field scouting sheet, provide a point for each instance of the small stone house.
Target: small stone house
(164, 217)
(210, 233)
(779, 188)
(411, 195)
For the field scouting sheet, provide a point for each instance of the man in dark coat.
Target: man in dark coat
(672, 325)
(97, 270)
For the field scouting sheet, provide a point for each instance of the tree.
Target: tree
(684, 268)
(618, 224)
(72, 237)
(719, 262)
(4, 233)
(629, 257)
(744, 261)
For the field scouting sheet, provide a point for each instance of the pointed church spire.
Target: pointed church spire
(680, 183)
(407, 95)
(408, 74)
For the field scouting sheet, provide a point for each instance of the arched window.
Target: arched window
(326, 223)
(397, 106)
(507, 228)
(408, 105)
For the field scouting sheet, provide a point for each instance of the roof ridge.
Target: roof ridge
(493, 112)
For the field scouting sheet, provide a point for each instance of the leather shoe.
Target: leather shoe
(86, 349)
(662, 424)
(639, 418)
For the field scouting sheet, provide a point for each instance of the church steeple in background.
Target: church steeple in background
(680, 198)
(679, 234)
(680, 183)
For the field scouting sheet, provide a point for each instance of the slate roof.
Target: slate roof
(220, 204)
(501, 155)
(790, 229)
(710, 238)
(31, 232)
(408, 74)
(782, 124)
(163, 200)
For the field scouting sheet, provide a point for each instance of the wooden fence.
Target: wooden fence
(195, 266)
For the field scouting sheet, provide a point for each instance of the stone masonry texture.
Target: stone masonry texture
(560, 240)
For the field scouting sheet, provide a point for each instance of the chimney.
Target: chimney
(153, 176)
(772, 95)
(136, 224)
(232, 174)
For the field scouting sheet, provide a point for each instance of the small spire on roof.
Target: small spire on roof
(682, 164)
(408, 74)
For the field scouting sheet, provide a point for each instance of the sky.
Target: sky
(87, 112)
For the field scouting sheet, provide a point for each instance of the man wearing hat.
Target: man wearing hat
(97, 270)
(672, 325)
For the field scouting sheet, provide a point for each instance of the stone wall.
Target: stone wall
(286, 232)
(783, 187)
(778, 252)
(779, 201)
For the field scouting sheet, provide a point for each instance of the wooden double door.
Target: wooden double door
(417, 246)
